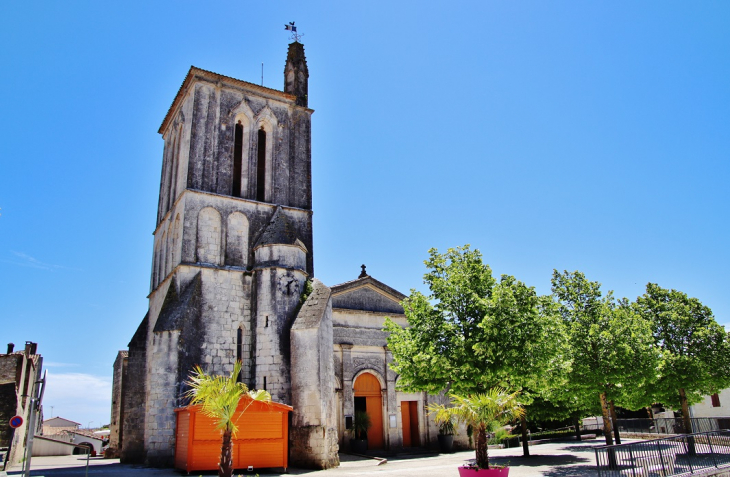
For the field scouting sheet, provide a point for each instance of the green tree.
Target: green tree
(218, 397)
(694, 348)
(611, 349)
(473, 333)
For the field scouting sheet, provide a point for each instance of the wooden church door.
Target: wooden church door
(367, 386)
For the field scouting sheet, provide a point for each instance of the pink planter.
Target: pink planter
(470, 472)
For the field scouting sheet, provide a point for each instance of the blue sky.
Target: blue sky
(586, 136)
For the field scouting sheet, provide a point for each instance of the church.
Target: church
(233, 279)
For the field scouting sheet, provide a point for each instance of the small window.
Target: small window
(715, 400)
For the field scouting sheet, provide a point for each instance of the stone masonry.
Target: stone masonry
(232, 262)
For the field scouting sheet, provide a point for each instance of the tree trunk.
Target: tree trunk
(615, 424)
(226, 465)
(612, 461)
(481, 445)
(576, 422)
(606, 420)
(687, 422)
(525, 444)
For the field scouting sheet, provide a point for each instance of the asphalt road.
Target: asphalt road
(566, 459)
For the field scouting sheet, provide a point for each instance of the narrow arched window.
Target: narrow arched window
(237, 159)
(261, 167)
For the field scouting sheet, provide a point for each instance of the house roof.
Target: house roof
(199, 73)
(60, 422)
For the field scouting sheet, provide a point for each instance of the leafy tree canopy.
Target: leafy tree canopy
(694, 348)
(611, 349)
(474, 332)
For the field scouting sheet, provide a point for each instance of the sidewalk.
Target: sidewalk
(564, 459)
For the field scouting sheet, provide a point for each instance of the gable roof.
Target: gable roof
(60, 422)
(367, 294)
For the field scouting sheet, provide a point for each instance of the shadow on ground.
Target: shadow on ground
(573, 471)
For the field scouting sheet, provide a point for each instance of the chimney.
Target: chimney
(11, 347)
(30, 347)
(296, 74)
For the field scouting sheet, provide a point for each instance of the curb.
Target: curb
(381, 460)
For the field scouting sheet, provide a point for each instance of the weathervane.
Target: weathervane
(293, 29)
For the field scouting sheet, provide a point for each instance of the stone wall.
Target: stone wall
(8, 408)
(313, 441)
(134, 398)
(216, 110)
(235, 214)
(19, 372)
(117, 415)
(367, 299)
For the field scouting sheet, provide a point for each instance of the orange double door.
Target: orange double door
(409, 419)
(367, 386)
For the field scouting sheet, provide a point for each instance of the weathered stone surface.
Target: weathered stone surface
(367, 294)
(231, 257)
(132, 449)
(314, 426)
(19, 371)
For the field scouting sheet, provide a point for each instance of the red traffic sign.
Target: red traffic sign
(16, 421)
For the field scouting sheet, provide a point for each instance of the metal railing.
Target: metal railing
(685, 454)
(666, 425)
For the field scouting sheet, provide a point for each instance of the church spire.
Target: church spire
(296, 74)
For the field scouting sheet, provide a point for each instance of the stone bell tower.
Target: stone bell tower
(232, 254)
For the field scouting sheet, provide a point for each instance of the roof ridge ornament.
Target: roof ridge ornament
(363, 273)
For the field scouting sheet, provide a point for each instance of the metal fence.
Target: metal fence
(686, 454)
(666, 425)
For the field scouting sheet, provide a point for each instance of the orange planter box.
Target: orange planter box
(262, 439)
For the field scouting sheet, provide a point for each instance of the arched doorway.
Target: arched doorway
(368, 398)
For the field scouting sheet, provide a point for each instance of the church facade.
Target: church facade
(233, 279)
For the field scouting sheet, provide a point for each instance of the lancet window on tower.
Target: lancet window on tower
(261, 166)
(237, 160)
(239, 352)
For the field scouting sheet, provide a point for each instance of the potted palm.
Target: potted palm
(478, 411)
(360, 425)
(445, 420)
(218, 397)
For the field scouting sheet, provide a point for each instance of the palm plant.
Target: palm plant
(479, 410)
(443, 418)
(361, 424)
(218, 397)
